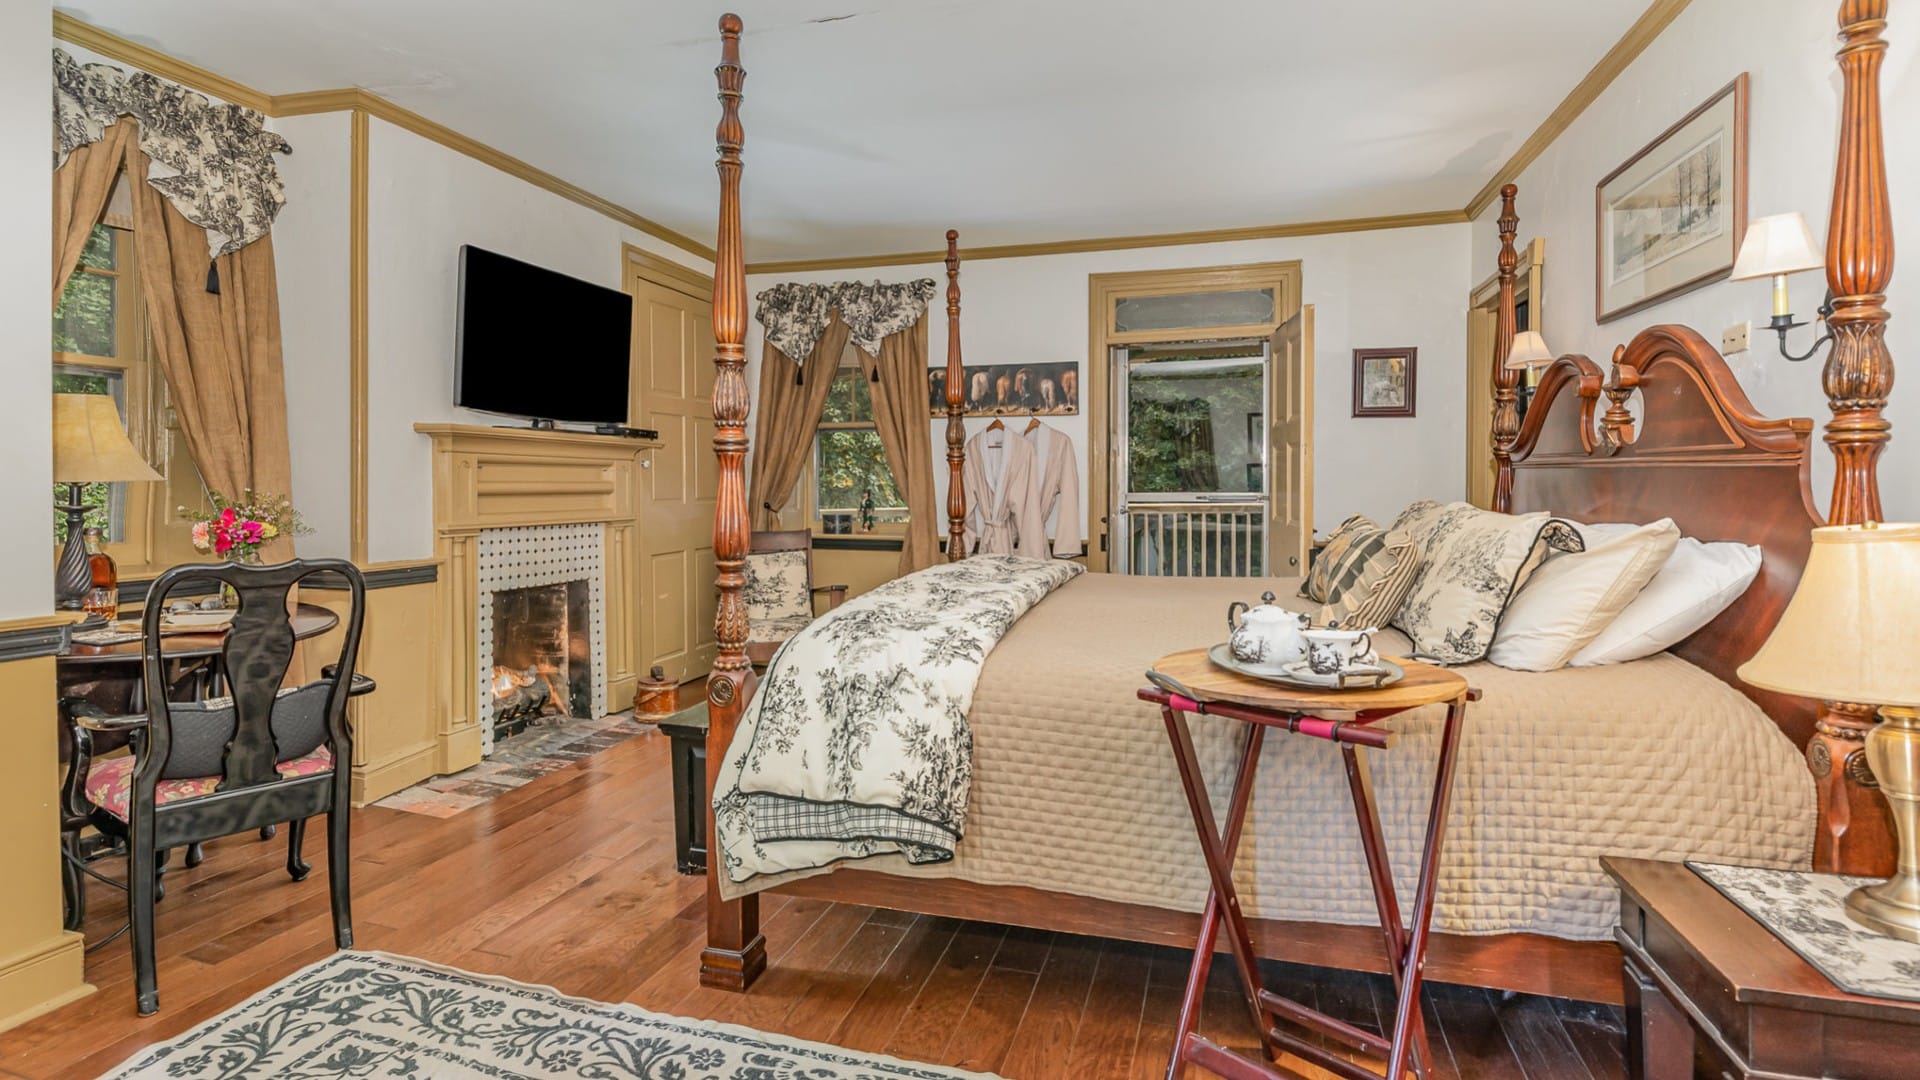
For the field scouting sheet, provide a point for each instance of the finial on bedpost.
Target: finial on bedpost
(1506, 393)
(956, 408)
(735, 953)
(1856, 836)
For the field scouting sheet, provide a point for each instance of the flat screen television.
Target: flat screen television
(539, 344)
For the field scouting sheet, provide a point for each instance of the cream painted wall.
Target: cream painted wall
(424, 201)
(311, 261)
(1385, 288)
(1793, 129)
(26, 226)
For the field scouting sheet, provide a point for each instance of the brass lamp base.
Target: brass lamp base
(1893, 751)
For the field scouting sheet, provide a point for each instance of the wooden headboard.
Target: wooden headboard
(1704, 457)
(1701, 455)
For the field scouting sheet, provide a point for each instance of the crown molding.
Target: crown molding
(1118, 243)
(1652, 22)
(87, 36)
(1649, 26)
(306, 103)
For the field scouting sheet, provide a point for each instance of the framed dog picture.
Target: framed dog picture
(1383, 381)
(1670, 218)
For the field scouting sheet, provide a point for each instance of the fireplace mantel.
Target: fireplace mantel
(499, 478)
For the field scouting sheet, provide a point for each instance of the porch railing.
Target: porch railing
(1196, 539)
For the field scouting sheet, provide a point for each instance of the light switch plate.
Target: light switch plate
(1734, 338)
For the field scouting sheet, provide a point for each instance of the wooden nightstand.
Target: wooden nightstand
(1700, 971)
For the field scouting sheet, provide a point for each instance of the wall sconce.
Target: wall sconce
(1529, 354)
(1775, 246)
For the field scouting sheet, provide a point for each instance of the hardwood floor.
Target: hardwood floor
(569, 881)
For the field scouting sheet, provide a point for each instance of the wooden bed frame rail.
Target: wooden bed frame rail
(1696, 451)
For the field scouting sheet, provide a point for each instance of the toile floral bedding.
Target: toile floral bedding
(1074, 790)
(857, 742)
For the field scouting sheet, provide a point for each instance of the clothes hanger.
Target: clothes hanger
(1032, 425)
(997, 425)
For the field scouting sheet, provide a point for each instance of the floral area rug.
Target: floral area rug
(1808, 912)
(373, 1015)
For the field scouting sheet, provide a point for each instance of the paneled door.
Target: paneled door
(672, 392)
(1292, 442)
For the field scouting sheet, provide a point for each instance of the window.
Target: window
(849, 463)
(100, 347)
(94, 340)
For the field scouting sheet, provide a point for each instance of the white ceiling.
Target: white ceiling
(874, 125)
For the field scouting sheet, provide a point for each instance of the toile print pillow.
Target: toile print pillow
(776, 587)
(1472, 563)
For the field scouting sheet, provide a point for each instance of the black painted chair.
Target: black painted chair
(207, 769)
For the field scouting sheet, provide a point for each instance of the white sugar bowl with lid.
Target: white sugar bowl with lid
(1268, 635)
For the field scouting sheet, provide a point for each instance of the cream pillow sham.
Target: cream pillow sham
(1570, 600)
(1472, 563)
(1698, 582)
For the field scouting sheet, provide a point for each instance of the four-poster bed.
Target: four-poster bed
(1698, 453)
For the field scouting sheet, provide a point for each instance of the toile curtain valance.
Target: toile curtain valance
(213, 162)
(794, 315)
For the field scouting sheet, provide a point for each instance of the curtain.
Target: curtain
(80, 191)
(219, 351)
(791, 397)
(897, 379)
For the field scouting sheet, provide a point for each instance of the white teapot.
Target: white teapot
(1268, 636)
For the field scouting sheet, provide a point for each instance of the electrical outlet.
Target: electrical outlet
(1734, 338)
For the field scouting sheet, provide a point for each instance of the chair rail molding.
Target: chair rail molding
(499, 478)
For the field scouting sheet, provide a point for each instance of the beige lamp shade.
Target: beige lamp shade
(90, 443)
(1777, 244)
(1529, 350)
(1852, 630)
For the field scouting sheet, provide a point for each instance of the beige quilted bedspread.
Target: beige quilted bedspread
(1075, 791)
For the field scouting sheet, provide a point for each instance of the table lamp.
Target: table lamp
(1852, 633)
(1529, 352)
(90, 445)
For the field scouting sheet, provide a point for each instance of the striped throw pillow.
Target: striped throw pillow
(1361, 575)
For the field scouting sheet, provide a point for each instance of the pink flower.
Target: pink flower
(200, 535)
(222, 542)
(227, 516)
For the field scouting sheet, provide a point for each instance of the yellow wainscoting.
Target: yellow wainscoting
(396, 730)
(40, 964)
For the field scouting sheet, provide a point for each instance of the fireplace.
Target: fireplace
(542, 663)
(540, 628)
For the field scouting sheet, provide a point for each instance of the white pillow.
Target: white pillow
(1572, 598)
(1698, 582)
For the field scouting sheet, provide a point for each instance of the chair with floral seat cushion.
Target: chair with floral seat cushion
(780, 592)
(265, 754)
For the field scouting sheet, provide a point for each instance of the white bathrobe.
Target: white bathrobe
(1058, 468)
(1003, 496)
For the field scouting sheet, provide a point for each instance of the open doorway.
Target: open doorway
(1200, 422)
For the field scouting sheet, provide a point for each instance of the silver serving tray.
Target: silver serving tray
(1299, 674)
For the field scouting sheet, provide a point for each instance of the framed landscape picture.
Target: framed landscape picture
(1383, 381)
(1011, 389)
(1670, 219)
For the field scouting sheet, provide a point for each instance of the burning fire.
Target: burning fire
(514, 691)
(507, 680)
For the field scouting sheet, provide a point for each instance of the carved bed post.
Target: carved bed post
(956, 408)
(736, 954)
(1506, 384)
(1858, 837)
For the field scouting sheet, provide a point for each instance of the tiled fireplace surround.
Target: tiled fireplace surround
(512, 504)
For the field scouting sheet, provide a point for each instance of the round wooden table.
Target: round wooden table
(309, 620)
(1188, 682)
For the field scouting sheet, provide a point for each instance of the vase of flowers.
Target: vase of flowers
(237, 529)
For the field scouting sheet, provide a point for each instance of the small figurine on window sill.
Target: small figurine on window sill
(866, 511)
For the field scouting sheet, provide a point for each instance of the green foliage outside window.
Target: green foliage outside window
(1189, 432)
(849, 460)
(83, 321)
